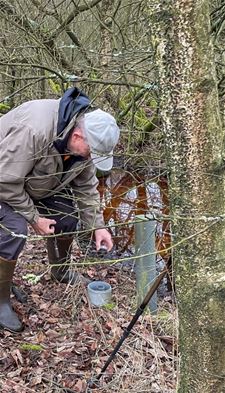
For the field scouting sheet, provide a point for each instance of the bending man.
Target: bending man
(49, 151)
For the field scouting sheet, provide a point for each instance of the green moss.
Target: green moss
(32, 278)
(109, 306)
(56, 88)
(4, 108)
(134, 110)
(31, 347)
(163, 315)
(165, 322)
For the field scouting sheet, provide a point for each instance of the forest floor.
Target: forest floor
(66, 340)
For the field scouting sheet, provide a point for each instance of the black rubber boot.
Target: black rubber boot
(59, 256)
(8, 318)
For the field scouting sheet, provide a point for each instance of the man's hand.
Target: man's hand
(44, 226)
(103, 237)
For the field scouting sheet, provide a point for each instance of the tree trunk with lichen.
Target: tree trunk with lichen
(194, 140)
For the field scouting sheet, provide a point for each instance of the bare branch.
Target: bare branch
(71, 17)
(34, 66)
(24, 24)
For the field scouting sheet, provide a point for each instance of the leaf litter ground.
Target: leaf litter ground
(66, 341)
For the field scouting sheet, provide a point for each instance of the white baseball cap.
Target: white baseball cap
(102, 134)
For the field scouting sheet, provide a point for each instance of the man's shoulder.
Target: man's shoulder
(44, 105)
(39, 115)
(38, 118)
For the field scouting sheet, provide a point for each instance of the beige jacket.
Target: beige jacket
(31, 168)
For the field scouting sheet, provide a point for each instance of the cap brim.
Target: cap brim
(103, 163)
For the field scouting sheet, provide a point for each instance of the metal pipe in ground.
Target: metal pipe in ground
(145, 266)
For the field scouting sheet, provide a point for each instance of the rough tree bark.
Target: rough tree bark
(194, 140)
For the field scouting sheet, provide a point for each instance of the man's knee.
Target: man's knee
(19, 228)
(61, 209)
(13, 222)
(13, 232)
